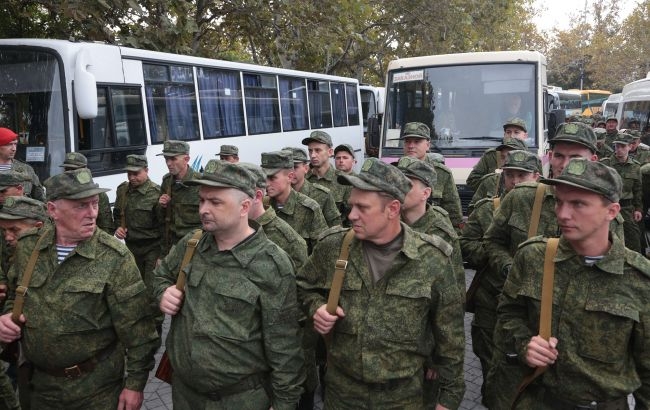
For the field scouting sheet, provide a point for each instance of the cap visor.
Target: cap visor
(272, 171)
(556, 181)
(356, 182)
(133, 169)
(12, 217)
(209, 182)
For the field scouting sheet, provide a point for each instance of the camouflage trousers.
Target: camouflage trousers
(502, 382)
(146, 256)
(631, 229)
(185, 398)
(345, 392)
(482, 341)
(8, 399)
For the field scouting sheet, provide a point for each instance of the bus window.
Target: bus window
(222, 107)
(293, 102)
(171, 103)
(352, 103)
(262, 109)
(338, 104)
(320, 108)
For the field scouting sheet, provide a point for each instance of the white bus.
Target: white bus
(108, 101)
(569, 101)
(465, 99)
(610, 105)
(635, 104)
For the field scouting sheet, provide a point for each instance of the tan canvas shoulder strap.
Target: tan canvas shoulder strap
(189, 252)
(496, 203)
(21, 290)
(339, 273)
(537, 210)
(546, 310)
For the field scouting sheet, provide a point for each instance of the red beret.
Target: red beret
(7, 136)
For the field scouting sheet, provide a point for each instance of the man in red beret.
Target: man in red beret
(8, 145)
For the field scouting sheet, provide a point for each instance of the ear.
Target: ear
(246, 205)
(394, 208)
(426, 193)
(612, 210)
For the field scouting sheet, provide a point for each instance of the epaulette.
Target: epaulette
(321, 187)
(309, 203)
(440, 210)
(443, 167)
(123, 184)
(331, 231)
(637, 261)
(534, 239)
(484, 177)
(482, 201)
(281, 260)
(526, 185)
(436, 241)
(112, 242)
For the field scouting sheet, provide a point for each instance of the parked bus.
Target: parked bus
(107, 101)
(592, 100)
(610, 105)
(635, 104)
(569, 101)
(465, 99)
(372, 107)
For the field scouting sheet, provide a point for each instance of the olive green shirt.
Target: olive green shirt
(283, 235)
(325, 199)
(630, 172)
(445, 192)
(184, 216)
(340, 192)
(140, 209)
(104, 215)
(33, 188)
(303, 214)
(486, 165)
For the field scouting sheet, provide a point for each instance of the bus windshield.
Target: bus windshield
(464, 106)
(31, 104)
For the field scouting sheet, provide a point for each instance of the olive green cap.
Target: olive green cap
(258, 173)
(228, 150)
(72, 184)
(512, 143)
(592, 176)
(22, 207)
(436, 157)
(515, 122)
(416, 130)
(379, 176)
(415, 168)
(318, 136)
(344, 147)
(523, 160)
(577, 133)
(173, 148)
(636, 134)
(223, 174)
(275, 161)
(623, 138)
(12, 178)
(135, 163)
(74, 160)
(299, 155)
(601, 133)
(612, 118)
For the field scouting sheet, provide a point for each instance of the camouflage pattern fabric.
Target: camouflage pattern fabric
(33, 188)
(486, 165)
(185, 208)
(325, 199)
(487, 188)
(283, 235)
(340, 192)
(104, 215)
(445, 193)
(304, 215)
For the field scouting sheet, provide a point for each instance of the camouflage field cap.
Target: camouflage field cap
(223, 174)
(258, 173)
(600, 122)
(415, 168)
(577, 133)
(275, 161)
(636, 134)
(12, 178)
(436, 157)
(22, 207)
(592, 176)
(612, 118)
(344, 147)
(172, 148)
(601, 133)
(379, 176)
(523, 160)
(318, 136)
(299, 155)
(512, 143)
(416, 130)
(135, 163)
(73, 184)
(623, 138)
(515, 122)
(74, 160)
(228, 150)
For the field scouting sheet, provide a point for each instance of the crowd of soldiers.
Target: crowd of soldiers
(297, 272)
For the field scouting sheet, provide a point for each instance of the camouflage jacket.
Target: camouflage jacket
(445, 193)
(304, 215)
(76, 308)
(340, 192)
(239, 322)
(642, 156)
(283, 235)
(630, 172)
(391, 327)
(604, 151)
(104, 215)
(509, 227)
(140, 209)
(33, 189)
(325, 199)
(489, 186)
(471, 240)
(600, 318)
(184, 212)
(486, 165)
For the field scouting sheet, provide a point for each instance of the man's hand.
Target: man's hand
(120, 233)
(9, 331)
(3, 291)
(130, 400)
(164, 200)
(171, 301)
(324, 322)
(540, 352)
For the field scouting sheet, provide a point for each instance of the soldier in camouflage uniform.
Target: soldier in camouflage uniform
(137, 217)
(489, 162)
(510, 228)
(492, 184)
(8, 145)
(301, 212)
(315, 191)
(602, 149)
(611, 129)
(229, 153)
(519, 166)
(179, 202)
(639, 153)
(12, 183)
(417, 141)
(234, 340)
(631, 201)
(76, 160)
(344, 160)
(399, 302)
(319, 145)
(86, 308)
(598, 350)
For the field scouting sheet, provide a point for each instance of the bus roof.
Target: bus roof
(465, 58)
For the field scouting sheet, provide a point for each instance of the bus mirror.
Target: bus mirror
(555, 118)
(85, 88)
